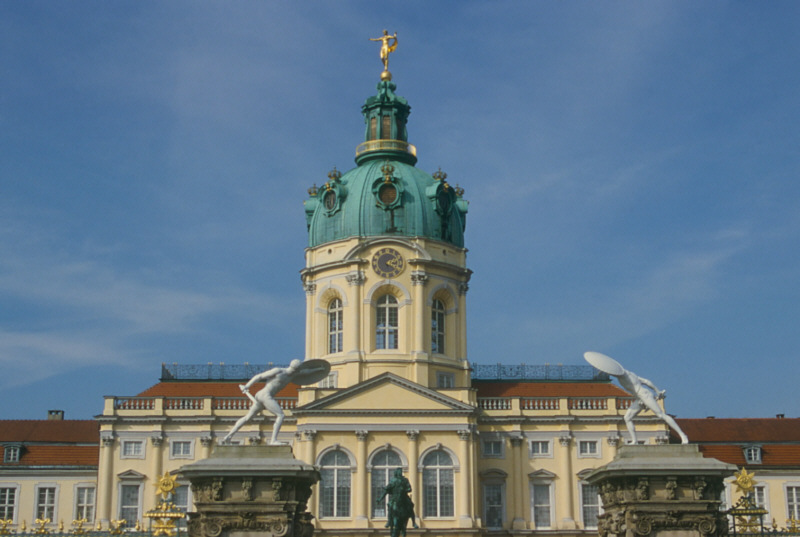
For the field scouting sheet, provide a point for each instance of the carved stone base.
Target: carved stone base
(661, 491)
(250, 491)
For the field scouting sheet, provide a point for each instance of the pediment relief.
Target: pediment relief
(386, 393)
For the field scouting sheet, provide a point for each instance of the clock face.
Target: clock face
(387, 262)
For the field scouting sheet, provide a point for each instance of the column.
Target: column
(418, 279)
(565, 482)
(461, 335)
(311, 290)
(413, 473)
(156, 440)
(464, 513)
(353, 319)
(105, 478)
(515, 490)
(613, 443)
(310, 457)
(361, 485)
(205, 442)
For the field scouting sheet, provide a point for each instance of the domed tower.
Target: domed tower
(385, 273)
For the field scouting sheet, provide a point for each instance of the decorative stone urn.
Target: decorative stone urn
(249, 491)
(661, 491)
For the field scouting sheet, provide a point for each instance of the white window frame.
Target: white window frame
(542, 483)
(791, 494)
(181, 523)
(330, 382)
(336, 332)
(129, 483)
(502, 486)
(490, 454)
(588, 454)
(752, 454)
(598, 503)
(387, 471)
(131, 442)
(15, 504)
(439, 472)
(438, 326)
(384, 306)
(12, 453)
(36, 503)
(445, 380)
(338, 470)
(179, 442)
(547, 443)
(77, 505)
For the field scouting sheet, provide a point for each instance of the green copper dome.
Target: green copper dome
(385, 194)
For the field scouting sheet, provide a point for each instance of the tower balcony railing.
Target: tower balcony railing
(385, 145)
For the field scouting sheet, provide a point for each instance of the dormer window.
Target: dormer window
(752, 454)
(11, 454)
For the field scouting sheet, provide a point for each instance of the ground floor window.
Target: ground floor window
(541, 506)
(334, 498)
(493, 505)
(84, 503)
(46, 503)
(793, 503)
(590, 507)
(129, 504)
(438, 485)
(383, 466)
(181, 500)
(8, 502)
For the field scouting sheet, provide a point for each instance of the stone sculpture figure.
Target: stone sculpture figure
(400, 506)
(646, 393)
(277, 378)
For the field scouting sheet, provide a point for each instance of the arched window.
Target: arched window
(437, 485)
(335, 326)
(383, 466)
(334, 498)
(386, 323)
(437, 326)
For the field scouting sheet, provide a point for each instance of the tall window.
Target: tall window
(540, 498)
(129, 504)
(8, 500)
(181, 500)
(334, 499)
(383, 466)
(493, 505)
(793, 503)
(335, 326)
(437, 327)
(760, 495)
(437, 485)
(386, 323)
(46, 503)
(84, 503)
(590, 500)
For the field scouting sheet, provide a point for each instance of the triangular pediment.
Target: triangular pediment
(385, 394)
(132, 475)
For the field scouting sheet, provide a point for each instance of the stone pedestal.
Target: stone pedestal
(661, 491)
(250, 491)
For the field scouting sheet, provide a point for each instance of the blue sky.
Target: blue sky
(632, 172)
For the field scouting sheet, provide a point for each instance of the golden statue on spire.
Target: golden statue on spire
(386, 49)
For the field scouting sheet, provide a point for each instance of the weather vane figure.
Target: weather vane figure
(277, 378)
(638, 387)
(386, 49)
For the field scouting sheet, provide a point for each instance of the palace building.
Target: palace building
(487, 449)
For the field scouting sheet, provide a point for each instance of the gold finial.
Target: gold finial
(386, 49)
(334, 175)
(439, 175)
(313, 191)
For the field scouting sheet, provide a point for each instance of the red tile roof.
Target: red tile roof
(208, 389)
(39, 455)
(495, 388)
(741, 430)
(62, 431)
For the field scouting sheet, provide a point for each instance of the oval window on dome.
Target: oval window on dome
(329, 200)
(387, 194)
